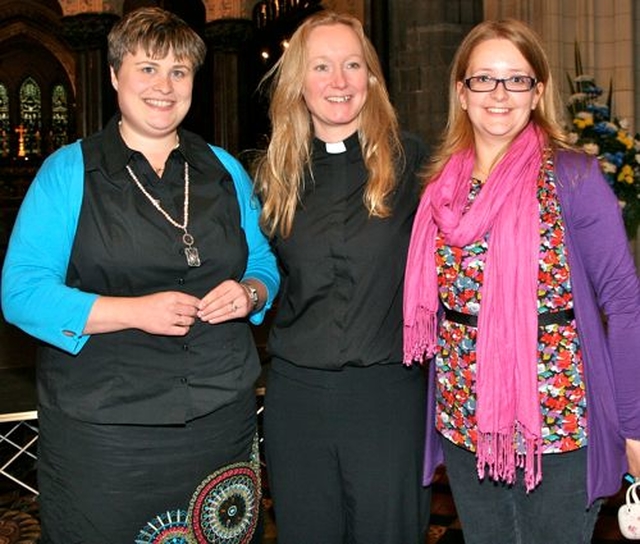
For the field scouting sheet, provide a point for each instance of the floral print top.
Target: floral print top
(560, 372)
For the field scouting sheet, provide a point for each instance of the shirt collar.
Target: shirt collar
(336, 148)
(116, 154)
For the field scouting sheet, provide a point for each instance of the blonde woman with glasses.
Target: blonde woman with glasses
(517, 251)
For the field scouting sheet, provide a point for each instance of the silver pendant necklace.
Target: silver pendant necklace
(190, 251)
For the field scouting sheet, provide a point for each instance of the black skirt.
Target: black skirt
(103, 484)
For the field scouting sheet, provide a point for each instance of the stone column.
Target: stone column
(95, 98)
(377, 25)
(424, 37)
(229, 82)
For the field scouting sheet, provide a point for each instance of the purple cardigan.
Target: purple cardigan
(605, 283)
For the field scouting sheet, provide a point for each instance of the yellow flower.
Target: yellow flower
(583, 120)
(625, 139)
(626, 174)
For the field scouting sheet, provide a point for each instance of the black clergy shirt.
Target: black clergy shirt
(343, 271)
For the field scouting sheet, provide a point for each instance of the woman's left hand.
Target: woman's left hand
(633, 457)
(227, 301)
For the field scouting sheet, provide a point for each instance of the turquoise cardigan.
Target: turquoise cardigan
(34, 294)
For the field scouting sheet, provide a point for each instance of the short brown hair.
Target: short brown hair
(158, 31)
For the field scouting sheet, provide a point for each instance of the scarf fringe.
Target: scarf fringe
(419, 337)
(496, 451)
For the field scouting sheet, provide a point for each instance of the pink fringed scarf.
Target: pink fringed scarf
(508, 407)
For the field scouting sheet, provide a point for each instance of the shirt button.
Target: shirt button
(183, 380)
(180, 281)
(185, 347)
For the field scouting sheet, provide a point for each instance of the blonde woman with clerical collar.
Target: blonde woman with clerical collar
(138, 261)
(344, 419)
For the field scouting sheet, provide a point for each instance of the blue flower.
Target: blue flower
(614, 158)
(600, 112)
(605, 128)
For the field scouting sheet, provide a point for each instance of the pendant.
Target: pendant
(190, 252)
(193, 259)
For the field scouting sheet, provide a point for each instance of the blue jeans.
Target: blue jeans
(554, 512)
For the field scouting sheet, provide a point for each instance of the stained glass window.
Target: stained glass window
(30, 137)
(5, 123)
(59, 117)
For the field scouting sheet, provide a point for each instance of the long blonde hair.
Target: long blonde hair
(458, 134)
(280, 171)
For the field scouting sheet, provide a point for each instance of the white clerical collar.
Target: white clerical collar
(335, 147)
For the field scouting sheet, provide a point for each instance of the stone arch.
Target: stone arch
(21, 31)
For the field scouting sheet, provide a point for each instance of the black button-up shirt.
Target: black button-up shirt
(343, 271)
(124, 247)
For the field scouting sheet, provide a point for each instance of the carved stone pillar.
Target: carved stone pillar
(95, 99)
(424, 37)
(231, 73)
(377, 22)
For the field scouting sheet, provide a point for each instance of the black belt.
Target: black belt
(547, 318)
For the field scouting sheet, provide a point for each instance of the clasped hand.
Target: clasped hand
(173, 313)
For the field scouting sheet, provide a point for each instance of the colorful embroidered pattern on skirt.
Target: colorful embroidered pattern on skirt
(224, 509)
(168, 528)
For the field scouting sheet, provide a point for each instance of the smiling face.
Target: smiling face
(498, 116)
(154, 95)
(335, 82)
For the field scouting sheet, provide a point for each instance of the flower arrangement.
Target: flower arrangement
(599, 133)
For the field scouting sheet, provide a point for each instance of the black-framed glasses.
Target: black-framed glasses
(486, 84)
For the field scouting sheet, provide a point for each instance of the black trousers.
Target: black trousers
(344, 454)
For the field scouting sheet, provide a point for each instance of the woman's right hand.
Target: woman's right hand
(169, 313)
